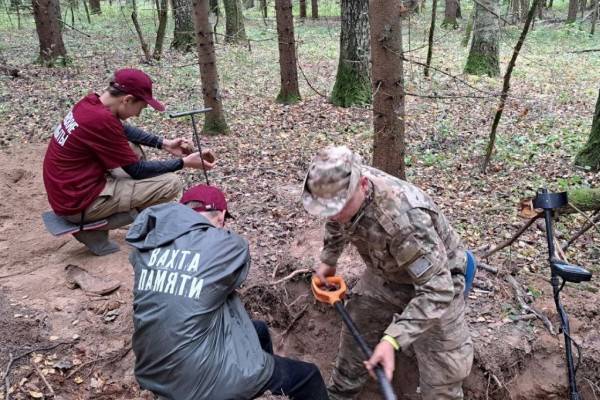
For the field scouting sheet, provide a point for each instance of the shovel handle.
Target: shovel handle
(329, 296)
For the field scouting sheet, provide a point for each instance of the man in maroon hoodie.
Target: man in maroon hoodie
(93, 169)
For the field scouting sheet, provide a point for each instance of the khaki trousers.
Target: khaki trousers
(126, 194)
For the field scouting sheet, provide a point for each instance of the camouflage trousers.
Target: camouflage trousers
(444, 353)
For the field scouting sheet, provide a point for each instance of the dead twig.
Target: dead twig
(591, 222)
(520, 298)
(6, 378)
(107, 359)
(291, 325)
(487, 268)
(510, 241)
(43, 378)
(290, 276)
(277, 282)
(12, 360)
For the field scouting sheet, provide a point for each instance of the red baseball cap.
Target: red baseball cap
(136, 83)
(209, 198)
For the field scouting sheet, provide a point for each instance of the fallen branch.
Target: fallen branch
(10, 71)
(296, 318)
(487, 268)
(12, 360)
(282, 280)
(583, 51)
(512, 239)
(290, 276)
(584, 229)
(520, 297)
(43, 378)
(119, 354)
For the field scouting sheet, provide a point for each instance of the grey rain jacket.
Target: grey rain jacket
(193, 339)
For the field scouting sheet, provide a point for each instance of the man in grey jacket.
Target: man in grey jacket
(193, 339)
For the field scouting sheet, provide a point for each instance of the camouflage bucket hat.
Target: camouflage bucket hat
(332, 178)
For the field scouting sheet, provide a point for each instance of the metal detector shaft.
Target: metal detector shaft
(193, 112)
(196, 139)
(384, 385)
(564, 320)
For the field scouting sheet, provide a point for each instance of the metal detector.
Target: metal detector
(334, 298)
(564, 271)
(196, 139)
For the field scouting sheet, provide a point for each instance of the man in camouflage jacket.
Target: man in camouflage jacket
(411, 293)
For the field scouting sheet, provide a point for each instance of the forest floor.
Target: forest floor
(81, 343)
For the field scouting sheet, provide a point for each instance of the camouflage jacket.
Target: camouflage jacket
(403, 237)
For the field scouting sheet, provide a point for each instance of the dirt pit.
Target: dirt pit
(69, 345)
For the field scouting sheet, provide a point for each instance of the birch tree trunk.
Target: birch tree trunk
(484, 54)
(352, 83)
(234, 21)
(183, 31)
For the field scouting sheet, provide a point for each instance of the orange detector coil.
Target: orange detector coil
(329, 296)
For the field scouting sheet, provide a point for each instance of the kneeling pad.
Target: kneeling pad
(59, 226)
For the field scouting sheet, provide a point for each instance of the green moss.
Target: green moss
(482, 64)
(59, 61)
(584, 198)
(287, 98)
(215, 126)
(351, 88)
(450, 23)
(184, 42)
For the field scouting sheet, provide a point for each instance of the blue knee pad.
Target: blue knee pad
(470, 272)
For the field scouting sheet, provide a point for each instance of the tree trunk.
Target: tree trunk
(450, 14)
(388, 86)
(234, 21)
(183, 32)
(263, 8)
(469, 28)
(572, 15)
(162, 28)
(484, 54)
(595, 17)
(524, 9)
(430, 41)
(506, 86)
(138, 30)
(214, 7)
(95, 7)
(352, 83)
(289, 93)
(515, 10)
(589, 156)
(87, 12)
(214, 121)
(314, 8)
(52, 48)
(302, 9)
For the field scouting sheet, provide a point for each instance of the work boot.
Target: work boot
(97, 242)
(78, 277)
